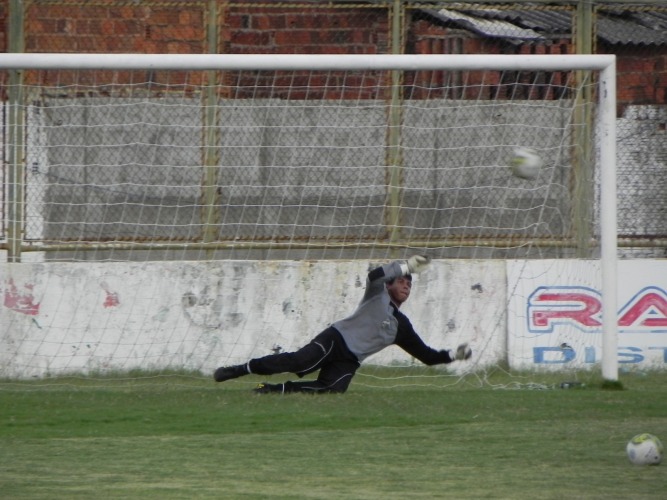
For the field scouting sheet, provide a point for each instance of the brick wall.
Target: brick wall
(294, 31)
(4, 11)
(642, 78)
(180, 28)
(642, 71)
(114, 28)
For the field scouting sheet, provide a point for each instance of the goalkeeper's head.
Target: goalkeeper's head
(407, 277)
(399, 289)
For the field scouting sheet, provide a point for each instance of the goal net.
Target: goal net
(167, 213)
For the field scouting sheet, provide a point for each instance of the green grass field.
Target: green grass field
(185, 437)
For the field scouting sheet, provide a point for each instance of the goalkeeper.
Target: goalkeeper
(338, 351)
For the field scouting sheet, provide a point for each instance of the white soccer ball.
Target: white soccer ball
(526, 163)
(644, 449)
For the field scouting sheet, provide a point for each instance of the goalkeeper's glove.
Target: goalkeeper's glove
(417, 263)
(463, 351)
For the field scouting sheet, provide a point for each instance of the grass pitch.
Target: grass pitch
(183, 437)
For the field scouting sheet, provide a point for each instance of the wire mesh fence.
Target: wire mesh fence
(189, 163)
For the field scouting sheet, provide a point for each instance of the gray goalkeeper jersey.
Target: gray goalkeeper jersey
(373, 326)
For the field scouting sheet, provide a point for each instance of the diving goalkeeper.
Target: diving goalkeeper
(338, 351)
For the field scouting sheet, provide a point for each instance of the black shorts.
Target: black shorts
(327, 352)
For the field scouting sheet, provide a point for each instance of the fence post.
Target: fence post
(15, 138)
(394, 155)
(583, 138)
(211, 137)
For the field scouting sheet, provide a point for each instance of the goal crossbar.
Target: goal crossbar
(313, 62)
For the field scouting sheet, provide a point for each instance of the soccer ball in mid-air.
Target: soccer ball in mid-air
(644, 449)
(526, 163)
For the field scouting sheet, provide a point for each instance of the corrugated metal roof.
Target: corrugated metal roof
(653, 20)
(613, 27)
(630, 30)
(552, 22)
(487, 27)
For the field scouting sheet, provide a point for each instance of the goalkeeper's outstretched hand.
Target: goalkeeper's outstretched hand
(417, 263)
(463, 352)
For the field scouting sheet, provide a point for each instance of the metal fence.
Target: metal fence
(98, 219)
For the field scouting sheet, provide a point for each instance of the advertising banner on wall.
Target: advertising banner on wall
(555, 314)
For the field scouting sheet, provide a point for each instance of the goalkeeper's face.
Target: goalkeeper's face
(399, 290)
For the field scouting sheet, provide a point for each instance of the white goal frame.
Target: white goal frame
(606, 131)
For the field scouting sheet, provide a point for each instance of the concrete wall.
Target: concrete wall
(117, 168)
(307, 169)
(84, 317)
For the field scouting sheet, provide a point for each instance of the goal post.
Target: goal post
(196, 158)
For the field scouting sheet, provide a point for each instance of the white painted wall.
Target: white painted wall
(86, 317)
(94, 317)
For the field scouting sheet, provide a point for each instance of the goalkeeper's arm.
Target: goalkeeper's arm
(408, 340)
(415, 264)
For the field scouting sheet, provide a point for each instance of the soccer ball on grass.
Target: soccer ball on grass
(526, 163)
(644, 449)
